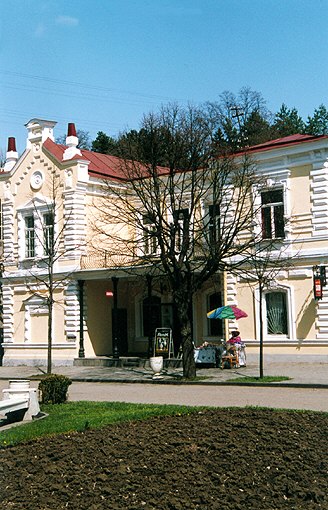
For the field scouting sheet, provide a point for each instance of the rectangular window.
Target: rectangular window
(213, 223)
(273, 224)
(48, 233)
(180, 218)
(149, 235)
(276, 307)
(29, 237)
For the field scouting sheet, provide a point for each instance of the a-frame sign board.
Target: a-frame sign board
(163, 345)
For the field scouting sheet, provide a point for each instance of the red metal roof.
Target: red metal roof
(101, 165)
(285, 141)
(107, 166)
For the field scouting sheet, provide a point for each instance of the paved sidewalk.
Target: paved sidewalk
(301, 374)
(307, 388)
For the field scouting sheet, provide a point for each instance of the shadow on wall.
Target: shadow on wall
(306, 317)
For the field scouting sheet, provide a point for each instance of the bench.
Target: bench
(10, 405)
(20, 397)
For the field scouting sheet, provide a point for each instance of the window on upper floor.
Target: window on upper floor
(213, 224)
(272, 208)
(48, 233)
(150, 243)
(180, 218)
(29, 237)
(36, 229)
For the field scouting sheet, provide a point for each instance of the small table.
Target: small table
(205, 355)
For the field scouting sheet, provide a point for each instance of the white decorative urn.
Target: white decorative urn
(156, 364)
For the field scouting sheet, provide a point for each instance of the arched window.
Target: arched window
(276, 313)
(214, 326)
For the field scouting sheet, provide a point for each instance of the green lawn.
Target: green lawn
(78, 416)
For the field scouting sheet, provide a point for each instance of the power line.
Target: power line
(88, 86)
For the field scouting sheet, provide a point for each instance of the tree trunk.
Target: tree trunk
(49, 354)
(189, 366)
(261, 331)
(50, 312)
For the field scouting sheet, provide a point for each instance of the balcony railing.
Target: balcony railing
(103, 260)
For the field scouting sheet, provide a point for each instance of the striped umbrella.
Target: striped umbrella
(227, 312)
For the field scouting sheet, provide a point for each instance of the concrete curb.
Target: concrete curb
(283, 384)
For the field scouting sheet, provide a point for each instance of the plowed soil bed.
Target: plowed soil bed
(217, 459)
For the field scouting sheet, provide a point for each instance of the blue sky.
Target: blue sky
(104, 63)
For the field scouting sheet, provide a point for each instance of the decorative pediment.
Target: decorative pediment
(36, 203)
(35, 300)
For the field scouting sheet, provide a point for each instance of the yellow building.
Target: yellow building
(49, 194)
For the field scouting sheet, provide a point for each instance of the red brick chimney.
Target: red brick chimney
(11, 155)
(71, 142)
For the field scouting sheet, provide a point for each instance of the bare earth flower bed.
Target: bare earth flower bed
(215, 459)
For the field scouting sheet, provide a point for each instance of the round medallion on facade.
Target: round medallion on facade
(36, 179)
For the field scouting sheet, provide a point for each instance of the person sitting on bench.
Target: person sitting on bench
(236, 347)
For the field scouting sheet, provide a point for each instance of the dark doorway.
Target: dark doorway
(122, 330)
(151, 315)
(215, 326)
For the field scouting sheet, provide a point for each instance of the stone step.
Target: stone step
(123, 361)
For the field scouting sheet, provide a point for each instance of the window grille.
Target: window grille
(276, 305)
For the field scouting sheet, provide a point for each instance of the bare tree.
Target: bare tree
(265, 262)
(185, 221)
(45, 230)
(239, 120)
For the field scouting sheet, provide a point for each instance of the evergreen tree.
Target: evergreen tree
(104, 144)
(257, 129)
(318, 123)
(287, 122)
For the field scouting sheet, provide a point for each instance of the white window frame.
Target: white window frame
(271, 206)
(36, 209)
(213, 224)
(181, 231)
(149, 241)
(29, 235)
(290, 303)
(48, 232)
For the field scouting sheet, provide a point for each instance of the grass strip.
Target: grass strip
(82, 415)
(265, 379)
